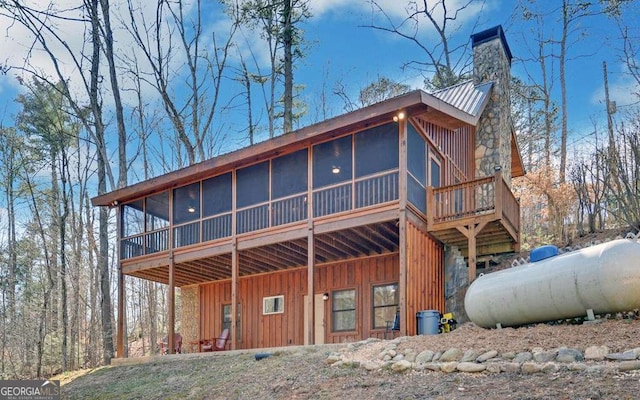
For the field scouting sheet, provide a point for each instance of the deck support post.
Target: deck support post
(310, 285)
(121, 314)
(470, 232)
(171, 298)
(234, 293)
(402, 226)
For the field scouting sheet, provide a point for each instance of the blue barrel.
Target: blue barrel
(428, 322)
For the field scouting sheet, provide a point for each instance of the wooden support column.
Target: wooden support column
(121, 314)
(234, 293)
(470, 232)
(402, 224)
(310, 284)
(171, 299)
(121, 291)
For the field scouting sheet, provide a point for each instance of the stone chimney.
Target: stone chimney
(492, 63)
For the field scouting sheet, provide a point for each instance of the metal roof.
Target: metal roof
(466, 96)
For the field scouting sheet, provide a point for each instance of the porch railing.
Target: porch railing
(469, 199)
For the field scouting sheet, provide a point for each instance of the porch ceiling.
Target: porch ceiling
(355, 242)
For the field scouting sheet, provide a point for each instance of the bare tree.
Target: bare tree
(172, 37)
(445, 62)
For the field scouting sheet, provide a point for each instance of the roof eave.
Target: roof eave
(363, 117)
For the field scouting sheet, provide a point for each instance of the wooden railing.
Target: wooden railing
(363, 192)
(473, 198)
(461, 200)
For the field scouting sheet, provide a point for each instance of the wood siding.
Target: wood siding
(425, 275)
(258, 330)
(456, 146)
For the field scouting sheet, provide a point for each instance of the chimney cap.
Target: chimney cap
(490, 34)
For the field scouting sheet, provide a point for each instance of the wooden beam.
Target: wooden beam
(272, 238)
(357, 219)
(202, 252)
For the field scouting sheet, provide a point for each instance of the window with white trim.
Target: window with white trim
(273, 305)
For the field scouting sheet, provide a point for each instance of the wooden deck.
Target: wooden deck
(480, 217)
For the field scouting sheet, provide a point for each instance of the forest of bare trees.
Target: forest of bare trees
(145, 90)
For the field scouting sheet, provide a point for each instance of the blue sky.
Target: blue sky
(342, 50)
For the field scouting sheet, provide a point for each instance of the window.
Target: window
(226, 319)
(289, 174)
(343, 310)
(186, 203)
(273, 305)
(376, 150)
(416, 155)
(435, 172)
(252, 185)
(385, 304)
(332, 162)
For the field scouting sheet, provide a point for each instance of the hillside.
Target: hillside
(305, 372)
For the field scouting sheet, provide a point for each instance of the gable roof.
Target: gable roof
(466, 96)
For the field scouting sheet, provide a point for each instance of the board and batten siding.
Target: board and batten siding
(425, 275)
(258, 330)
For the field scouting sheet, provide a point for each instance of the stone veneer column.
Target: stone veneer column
(492, 63)
(190, 316)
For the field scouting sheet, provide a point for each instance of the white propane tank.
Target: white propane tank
(604, 278)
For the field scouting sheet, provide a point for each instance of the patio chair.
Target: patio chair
(216, 344)
(177, 344)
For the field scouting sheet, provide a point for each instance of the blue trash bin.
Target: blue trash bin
(428, 322)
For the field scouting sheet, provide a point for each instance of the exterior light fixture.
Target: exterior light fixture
(497, 168)
(398, 117)
(191, 209)
(335, 169)
(325, 296)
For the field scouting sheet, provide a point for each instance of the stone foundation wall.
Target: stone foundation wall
(456, 280)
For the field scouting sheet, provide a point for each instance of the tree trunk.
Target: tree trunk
(287, 42)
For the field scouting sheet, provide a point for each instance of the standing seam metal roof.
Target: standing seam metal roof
(466, 96)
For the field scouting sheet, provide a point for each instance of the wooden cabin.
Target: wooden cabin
(322, 235)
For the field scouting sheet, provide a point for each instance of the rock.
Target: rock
(386, 358)
(392, 353)
(628, 365)
(382, 355)
(469, 356)
(509, 355)
(598, 369)
(470, 367)
(436, 357)
(401, 366)
(523, 357)
(531, 368)
(577, 366)
(332, 359)
(541, 356)
(510, 367)
(424, 357)
(432, 366)
(449, 366)
(453, 354)
(566, 355)
(635, 352)
(486, 356)
(550, 367)
(398, 357)
(620, 356)
(410, 355)
(371, 366)
(493, 368)
(596, 352)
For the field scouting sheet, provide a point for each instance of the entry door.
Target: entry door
(319, 323)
